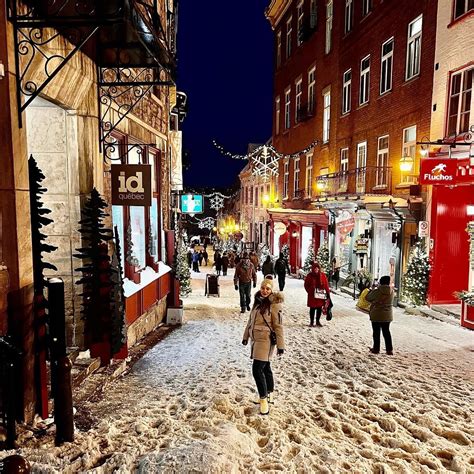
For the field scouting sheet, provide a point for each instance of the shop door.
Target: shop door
(383, 250)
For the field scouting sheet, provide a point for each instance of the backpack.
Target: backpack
(280, 266)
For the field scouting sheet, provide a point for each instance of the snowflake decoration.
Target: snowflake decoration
(265, 164)
(207, 223)
(217, 201)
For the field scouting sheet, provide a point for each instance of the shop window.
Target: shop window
(462, 6)
(461, 101)
(414, 48)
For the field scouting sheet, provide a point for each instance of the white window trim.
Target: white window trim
(309, 174)
(298, 97)
(410, 40)
(366, 7)
(381, 173)
(326, 116)
(361, 170)
(346, 92)
(409, 178)
(296, 175)
(466, 9)
(313, 19)
(277, 115)
(311, 89)
(348, 16)
(329, 22)
(288, 108)
(460, 102)
(385, 58)
(343, 168)
(300, 22)
(364, 73)
(289, 33)
(286, 178)
(278, 57)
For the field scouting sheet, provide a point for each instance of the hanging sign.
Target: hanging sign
(423, 229)
(192, 204)
(362, 245)
(131, 185)
(438, 171)
(279, 228)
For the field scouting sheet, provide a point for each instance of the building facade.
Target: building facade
(79, 102)
(357, 77)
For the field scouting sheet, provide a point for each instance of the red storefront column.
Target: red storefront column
(449, 242)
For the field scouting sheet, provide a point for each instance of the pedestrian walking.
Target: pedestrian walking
(201, 258)
(381, 314)
(317, 286)
(225, 263)
(196, 261)
(265, 330)
(254, 260)
(218, 263)
(189, 256)
(281, 267)
(205, 255)
(244, 275)
(268, 267)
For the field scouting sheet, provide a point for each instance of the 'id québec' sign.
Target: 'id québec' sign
(131, 185)
(437, 171)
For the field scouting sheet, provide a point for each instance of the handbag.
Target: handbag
(320, 294)
(273, 336)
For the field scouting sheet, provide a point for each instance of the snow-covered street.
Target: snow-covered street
(187, 406)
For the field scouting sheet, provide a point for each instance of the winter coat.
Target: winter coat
(254, 260)
(310, 286)
(259, 332)
(245, 272)
(281, 266)
(196, 257)
(381, 308)
(225, 262)
(268, 269)
(218, 262)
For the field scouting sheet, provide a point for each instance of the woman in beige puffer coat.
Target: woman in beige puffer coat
(265, 318)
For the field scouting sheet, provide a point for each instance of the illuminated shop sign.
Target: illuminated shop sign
(131, 185)
(192, 204)
(438, 171)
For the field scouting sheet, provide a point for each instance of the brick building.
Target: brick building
(357, 76)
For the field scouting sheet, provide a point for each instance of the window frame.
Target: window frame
(385, 59)
(298, 98)
(346, 91)
(299, 22)
(312, 90)
(461, 102)
(286, 178)
(329, 26)
(405, 177)
(348, 16)
(466, 9)
(326, 115)
(313, 14)
(344, 167)
(366, 7)
(309, 174)
(288, 108)
(413, 39)
(278, 49)
(277, 114)
(383, 154)
(364, 81)
(289, 34)
(296, 175)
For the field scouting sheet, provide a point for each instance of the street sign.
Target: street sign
(192, 204)
(438, 171)
(131, 185)
(279, 228)
(423, 229)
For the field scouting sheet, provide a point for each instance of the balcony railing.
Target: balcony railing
(367, 180)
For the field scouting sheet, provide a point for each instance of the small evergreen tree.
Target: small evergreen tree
(415, 280)
(309, 259)
(182, 272)
(322, 257)
(285, 250)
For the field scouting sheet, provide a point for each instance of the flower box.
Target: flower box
(467, 315)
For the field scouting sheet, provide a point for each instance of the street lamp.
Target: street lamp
(406, 163)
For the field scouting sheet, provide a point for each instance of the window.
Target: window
(328, 27)
(257, 203)
(344, 168)
(288, 37)
(381, 174)
(408, 151)
(299, 93)
(286, 179)
(349, 16)
(287, 109)
(460, 102)
(326, 115)
(386, 67)
(313, 18)
(311, 90)
(462, 6)
(278, 51)
(361, 166)
(277, 115)
(299, 26)
(154, 217)
(309, 174)
(414, 47)
(364, 80)
(366, 7)
(346, 91)
(296, 176)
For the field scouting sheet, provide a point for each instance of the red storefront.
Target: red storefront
(452, 208)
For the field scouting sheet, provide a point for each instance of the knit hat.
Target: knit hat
(268, 281)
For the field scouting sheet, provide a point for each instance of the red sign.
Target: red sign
(438, 171)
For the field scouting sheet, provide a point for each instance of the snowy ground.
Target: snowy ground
(187, 405)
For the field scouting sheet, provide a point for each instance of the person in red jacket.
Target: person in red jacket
(317, 286)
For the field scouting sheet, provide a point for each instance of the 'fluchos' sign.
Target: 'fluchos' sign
(131, 185)
(438, 171)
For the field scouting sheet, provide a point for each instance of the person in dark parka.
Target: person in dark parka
(218, 263)
(225, 263)
(281, 267)
(268, 267)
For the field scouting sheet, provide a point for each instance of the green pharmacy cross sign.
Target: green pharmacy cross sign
(192, 204)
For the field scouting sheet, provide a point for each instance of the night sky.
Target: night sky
(225, 68)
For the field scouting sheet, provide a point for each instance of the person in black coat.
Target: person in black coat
(218, 263)
(205, 256)
(281, 267)
(225, 263)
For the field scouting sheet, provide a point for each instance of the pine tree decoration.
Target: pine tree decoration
(322, 257)
(129, 257)
(285, 250)
(182, 272)
(309, 260)
(119, 329)
(38, 221)
(96, 271)
(263, 252)
(415, 280)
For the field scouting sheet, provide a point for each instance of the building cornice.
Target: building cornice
(276, 10)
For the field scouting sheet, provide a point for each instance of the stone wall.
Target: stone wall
(146, 322)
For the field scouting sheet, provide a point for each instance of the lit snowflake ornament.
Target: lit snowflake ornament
(217, 201)
(207, 223)
(265, 164)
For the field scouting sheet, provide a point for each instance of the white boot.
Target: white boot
(264, 408)
(270, 398)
